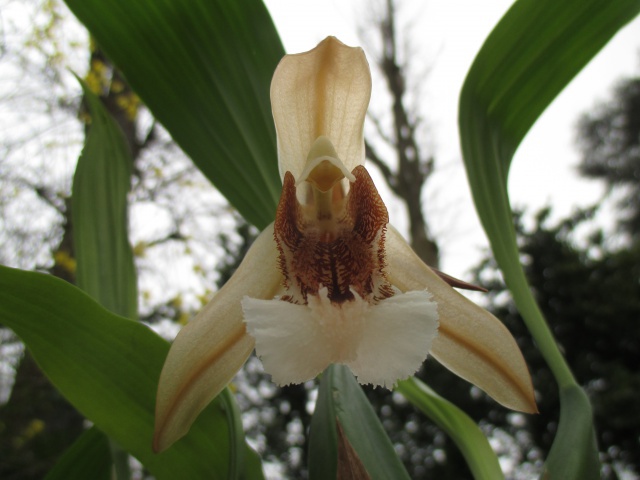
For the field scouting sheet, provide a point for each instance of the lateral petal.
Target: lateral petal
(212, 347)
(471, 342)
(324, 91)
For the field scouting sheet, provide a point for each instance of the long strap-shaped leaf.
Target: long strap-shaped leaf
(341, 399)
(108, 368)
(481, 459)
(531, 55)
(104, 258)
(203, 67)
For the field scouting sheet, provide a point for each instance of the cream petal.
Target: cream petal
(381, 343)
(288, 340)
(398, 335)
(471, 342)
(324, 91)
(212, 347)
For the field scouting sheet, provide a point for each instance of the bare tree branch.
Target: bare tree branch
(389, 176)
(381, 131)
(413, 167)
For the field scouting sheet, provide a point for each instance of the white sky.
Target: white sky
(446, 36)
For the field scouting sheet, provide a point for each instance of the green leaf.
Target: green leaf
(108, 368)
(105, 268)
(252, 465)
(575, 436)
(204, 69)
(475, 448)
(237, 447)
(340, 397)
(531, 55)
(120, 460)
(104, 259)
(88, 457)
(323, 438)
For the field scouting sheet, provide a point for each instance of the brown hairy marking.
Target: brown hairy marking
(348, 254)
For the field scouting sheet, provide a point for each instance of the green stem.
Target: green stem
(523, 297)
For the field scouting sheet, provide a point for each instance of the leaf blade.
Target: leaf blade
(323, 441)
(360, 424)
(105, 268)
(211, 65)
(474, 446)
(531, 55)
(108, 369)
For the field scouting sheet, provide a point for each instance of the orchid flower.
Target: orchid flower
(330, 281)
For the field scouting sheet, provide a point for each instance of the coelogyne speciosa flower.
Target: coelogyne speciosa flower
(330, 281)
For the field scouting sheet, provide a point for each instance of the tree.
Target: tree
(609, 139)
(37, 422)
(414, 164)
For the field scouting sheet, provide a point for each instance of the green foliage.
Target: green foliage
(252, 467)
(323, 444)
(341, 399)
(36, 424)
(204, 69)
(237, 448)
(585, 292)
(101, 183)
(104, 259)
(468, 437)
(535, 50)
(108, 368)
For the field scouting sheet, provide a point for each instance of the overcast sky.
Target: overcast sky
(446, 36)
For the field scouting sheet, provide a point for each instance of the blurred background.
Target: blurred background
(574, 185)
